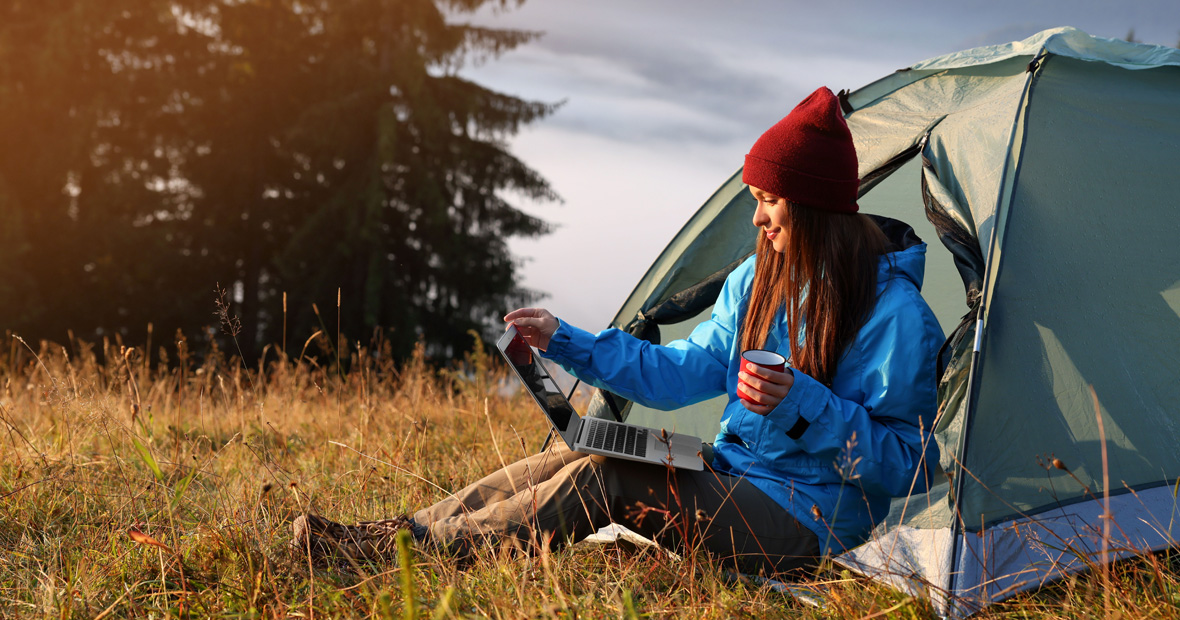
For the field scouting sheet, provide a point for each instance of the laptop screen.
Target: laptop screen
(536, 380)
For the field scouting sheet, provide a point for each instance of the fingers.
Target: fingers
(769, 387)
(753, 395)
(756, 408)
(762, 392)
(521, 313)
(536, 325)
(786, 377)
(526, 319)
(527, 324)
(758, 402)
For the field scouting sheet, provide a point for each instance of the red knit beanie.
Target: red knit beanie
(808, 157)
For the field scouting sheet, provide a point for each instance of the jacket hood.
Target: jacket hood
(905, 255)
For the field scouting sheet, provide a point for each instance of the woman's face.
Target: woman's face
(771, 216)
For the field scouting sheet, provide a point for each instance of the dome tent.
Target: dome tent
(1046, 168)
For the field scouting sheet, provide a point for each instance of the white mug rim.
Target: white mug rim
(763, 357)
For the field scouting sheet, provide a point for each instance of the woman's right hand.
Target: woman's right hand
(536, 325)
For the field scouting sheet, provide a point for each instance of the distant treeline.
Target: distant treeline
(301, 155)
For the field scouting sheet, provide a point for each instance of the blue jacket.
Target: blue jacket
(832, 457)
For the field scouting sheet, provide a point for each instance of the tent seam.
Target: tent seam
(991, 273)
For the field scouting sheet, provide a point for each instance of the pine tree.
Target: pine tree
(278, 147)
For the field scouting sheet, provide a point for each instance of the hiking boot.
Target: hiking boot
(369, 540)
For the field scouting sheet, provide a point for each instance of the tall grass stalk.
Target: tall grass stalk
(405, 558)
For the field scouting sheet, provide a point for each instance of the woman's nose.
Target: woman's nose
(760, 216)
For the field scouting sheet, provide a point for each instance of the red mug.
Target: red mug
(763, 358)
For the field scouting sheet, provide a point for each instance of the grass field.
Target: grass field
(152, 487)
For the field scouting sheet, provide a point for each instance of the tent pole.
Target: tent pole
(991, 268)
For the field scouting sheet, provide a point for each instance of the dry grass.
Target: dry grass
(138, 488)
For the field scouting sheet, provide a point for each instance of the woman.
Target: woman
(807, 459)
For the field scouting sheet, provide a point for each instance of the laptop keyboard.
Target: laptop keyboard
(621, 438)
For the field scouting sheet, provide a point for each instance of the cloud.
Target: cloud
(674, 85)
(700, 71)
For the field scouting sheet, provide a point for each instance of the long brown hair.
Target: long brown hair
(826, 280)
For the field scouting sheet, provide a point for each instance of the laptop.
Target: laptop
(590, 435)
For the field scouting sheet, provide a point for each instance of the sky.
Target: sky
(663, 98)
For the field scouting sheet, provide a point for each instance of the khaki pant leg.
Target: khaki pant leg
(501, 484)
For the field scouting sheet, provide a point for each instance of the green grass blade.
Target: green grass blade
(146, 456)
(178, 493)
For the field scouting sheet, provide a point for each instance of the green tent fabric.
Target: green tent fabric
(1043, 173)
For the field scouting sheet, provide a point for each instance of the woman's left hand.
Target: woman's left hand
(763, 388)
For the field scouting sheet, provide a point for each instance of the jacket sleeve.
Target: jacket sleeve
(883, 443)
(680, 373)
